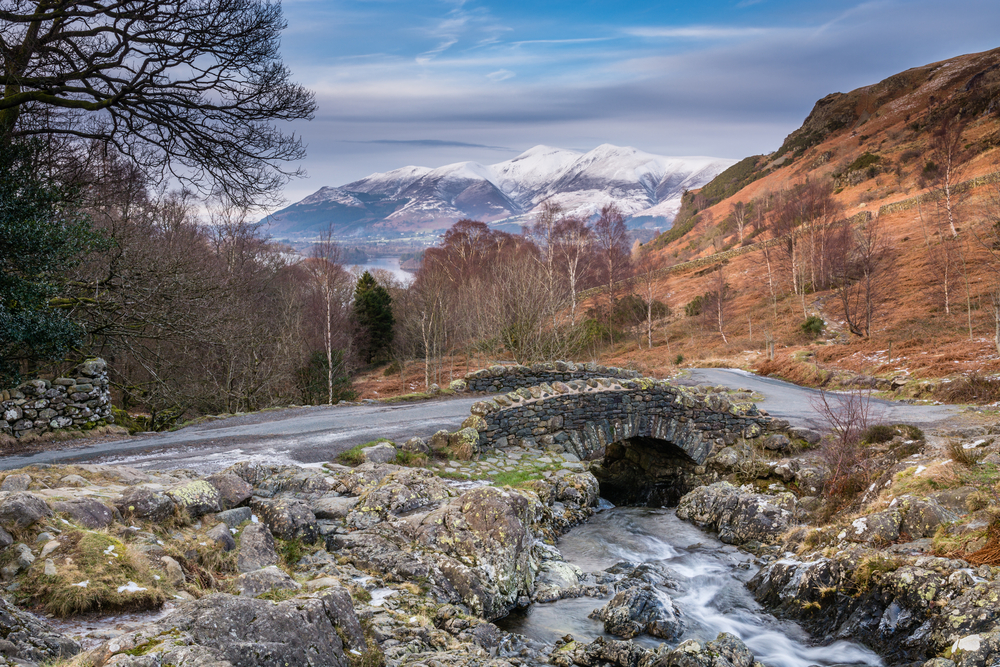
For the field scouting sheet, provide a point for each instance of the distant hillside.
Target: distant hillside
(420, 200)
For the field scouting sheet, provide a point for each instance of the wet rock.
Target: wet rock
(725, 651)
(235, 516)
(640, 609)
(233, 490)
(404, 491)
(29, 638)
(146, 505)
(20, 510)
(16, 482)
(256, 548)
(264, 580)
(86, 511)
(738, 516)
(243, 632)
(554, 578)
(222, 538)
(197, 498)
(383, 452)
(976, 650)
(602, 651)
(288, 519)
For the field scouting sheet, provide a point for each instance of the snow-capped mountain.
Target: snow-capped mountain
(646, 187)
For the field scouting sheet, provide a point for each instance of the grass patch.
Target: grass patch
(872, 568)
(968, 458)
(972, 388)
(412, 459)
(106, 564)
(942, 476)
(279, 594)
(515, 478)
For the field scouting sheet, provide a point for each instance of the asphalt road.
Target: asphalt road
(315, 435)
(295, 436)
(797, 404)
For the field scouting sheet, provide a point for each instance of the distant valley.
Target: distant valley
(415, 204)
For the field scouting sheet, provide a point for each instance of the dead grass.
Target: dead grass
(106, 565)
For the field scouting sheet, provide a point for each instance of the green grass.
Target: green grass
(354, 456)
(515, 478)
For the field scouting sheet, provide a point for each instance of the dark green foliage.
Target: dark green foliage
(864, 161)
(694, 306)
(41, 236)
(312, 380)
(732, 180)
(878, 433)
(678, 360)
(373, 315)
(813, 326)
(930, 169)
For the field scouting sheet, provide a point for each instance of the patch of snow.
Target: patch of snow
(82, 584)
(130, 587)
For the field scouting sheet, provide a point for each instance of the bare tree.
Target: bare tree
(648, 272)
(574, 253)
(741, 214)
(191, 88)
(332, 283)
(947, 154)
(611, 238)
(862, 265)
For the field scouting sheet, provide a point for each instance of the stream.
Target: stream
(712, 595)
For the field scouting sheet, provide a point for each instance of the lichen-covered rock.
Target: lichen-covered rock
(488, 530)
(407, 490)
(265, 580)
(20, 510)
(197, 498)
(145, 505)
(257, 549)
(383, 452)
(640, 609)
(725, 650)
(333, 507)
(233, 490)
(738, 516)
(235, 516)
(416, 445)
(288, 519)
(876, 528)
(221, 629)
(922, 518)
(16, 482)
(220, 535)
(86, 511)
(465, 442)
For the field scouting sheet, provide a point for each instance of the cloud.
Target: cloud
(698, 32)
(429, 143)
(500, 75)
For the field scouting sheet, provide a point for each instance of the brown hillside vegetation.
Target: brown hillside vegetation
(911, 163)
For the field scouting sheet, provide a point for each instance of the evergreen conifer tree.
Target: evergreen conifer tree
(373, 315)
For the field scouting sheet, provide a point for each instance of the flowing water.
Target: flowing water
(712, 595)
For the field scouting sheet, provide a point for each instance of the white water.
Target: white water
(712, 597)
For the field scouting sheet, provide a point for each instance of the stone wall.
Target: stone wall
(80, 399)
(585, 416)
(497, 379)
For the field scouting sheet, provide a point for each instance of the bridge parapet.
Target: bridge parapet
(585, 416)
(496, 379)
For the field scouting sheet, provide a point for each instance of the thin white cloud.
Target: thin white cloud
(428, 56)
(697, 32)
(500, 75)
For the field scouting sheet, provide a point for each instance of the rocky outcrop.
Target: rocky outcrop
(640, 609)
(737, 515)
(27, 638)
(398, 494)
(79, 400)
(228, 631)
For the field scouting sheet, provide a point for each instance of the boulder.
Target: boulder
(878, 528)
(20, 510)
(221, 536)
(27, 637)
(235, 516)
(256, 549)
(16, 482)
(287, 518)
(197, 498)
(404, 491)
(416, 445)
(264, 580)
(640, 609)
(86, 511)
(145, 504)
(725, 651)
(738, 516)
(807, 434)
(333, 507)
(233, 490)
(383, 452)
(239, 631)
(173, 570)
(777, 442)
(923, 517)
(465, 443)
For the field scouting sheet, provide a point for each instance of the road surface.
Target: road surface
(314, 435)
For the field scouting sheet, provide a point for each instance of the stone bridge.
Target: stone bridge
(653, 437)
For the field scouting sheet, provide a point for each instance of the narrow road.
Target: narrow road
(313, 435)
(798, 405)
(293, 436)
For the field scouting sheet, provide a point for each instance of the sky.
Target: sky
(425, 82)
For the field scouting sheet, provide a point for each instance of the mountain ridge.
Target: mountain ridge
(413, 199)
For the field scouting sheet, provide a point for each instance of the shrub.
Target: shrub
(678, 360)
(694, 306)
(813, 326)
(962, 456)
(972, 388)
(313, 380)
(878, 433)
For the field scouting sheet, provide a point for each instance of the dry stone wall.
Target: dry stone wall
(586, 416)
(80, 399)
(498, 379)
